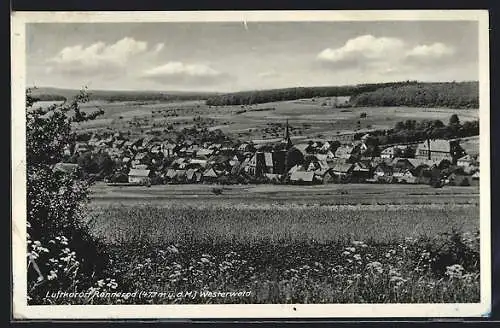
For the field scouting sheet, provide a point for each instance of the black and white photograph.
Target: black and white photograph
(269, 164)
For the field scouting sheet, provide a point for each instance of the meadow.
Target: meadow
(291, 253)
(255, 223)
(317, 195)
(308, 118)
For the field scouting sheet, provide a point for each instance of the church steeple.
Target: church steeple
(287, 139)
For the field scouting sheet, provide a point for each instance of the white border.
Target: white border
(22, 311)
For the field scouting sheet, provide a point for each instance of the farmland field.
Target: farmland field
(330, 194)
(293, 244)
(308, 118)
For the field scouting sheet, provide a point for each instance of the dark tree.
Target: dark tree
(454, 120)
(293, 157)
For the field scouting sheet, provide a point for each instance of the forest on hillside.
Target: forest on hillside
(55, 94)
(451, 95)
(270, 95)
(408, 93)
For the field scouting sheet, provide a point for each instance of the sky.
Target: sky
(236, 56)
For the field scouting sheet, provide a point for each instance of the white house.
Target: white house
(138, 176)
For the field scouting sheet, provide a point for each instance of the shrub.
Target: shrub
(62, 254)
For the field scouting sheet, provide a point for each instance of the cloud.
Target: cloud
(100, 58)
(268, 74)
(366, 47)
(159, 47)
(436, 50)
(179, 73)
(383, 54)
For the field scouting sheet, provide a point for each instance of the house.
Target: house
(234, 160)
(379, 160)
(302, 148)
(315, 162)
(416, 162)
(475, 179)
(168, 149)
(66, 168)
(389, 152)
(261, 163)
(322, 157)
(399, 172)
(404, 176)
(204, 152)
(139, 176)
(252, 167)
(344, 152)
(148, 140)
(360, 172)
(180, 176)
(191, 150)
(325, 147)
(244, 165)
(169, 176)
(81, 147)
(198, 176)
(342, 172)
(313, 166)
(181, 151)
(434, 150)
(295, 168)
(268, 162)
(119, 144)
(195, 162)
(179, 163)
(141, 158)
(220, 162)
(383, 173)
(236, 169)
(274, 178)
(210, 175)
(329, 155)
(402, 163)
(136, 143)
(215, 147)
(245, 147)
(141, 167)
(382, 170)
(128, 144)
(326, 176)
(302, 177)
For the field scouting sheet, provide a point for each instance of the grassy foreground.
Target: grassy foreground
(292, 254)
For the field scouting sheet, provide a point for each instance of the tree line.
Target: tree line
(407, 93)
(451, 95)
(415, 131)
(264, 96)
(116, 96)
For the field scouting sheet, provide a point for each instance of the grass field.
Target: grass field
(251, 223)
(300, 250)
(309, 118)
(329, 194)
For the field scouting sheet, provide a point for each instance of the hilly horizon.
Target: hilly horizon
(56, 93)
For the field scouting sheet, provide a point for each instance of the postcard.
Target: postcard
(250, 164)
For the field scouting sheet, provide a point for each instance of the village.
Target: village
(219, 160)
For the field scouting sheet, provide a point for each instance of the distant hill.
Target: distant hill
(408, 93)
(55, 94)
(451, 95)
